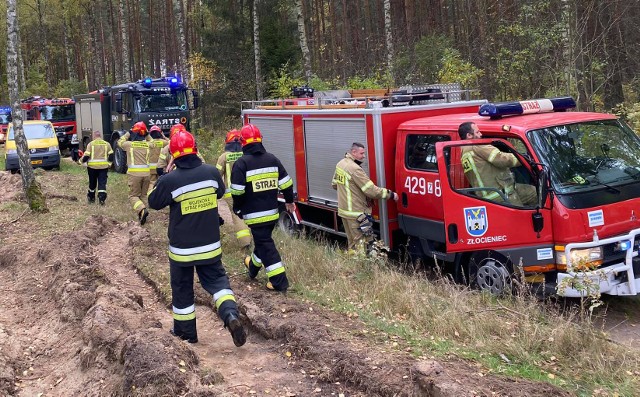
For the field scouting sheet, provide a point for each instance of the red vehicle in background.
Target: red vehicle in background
(61, 112)
(5, 119)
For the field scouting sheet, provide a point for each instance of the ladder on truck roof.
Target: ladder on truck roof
(367, 98)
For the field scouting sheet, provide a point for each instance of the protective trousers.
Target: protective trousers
(266, 254)
(243, 234)
(138, 189)
(153, 177)
(355, 238)
(214, 280)
(97, 178)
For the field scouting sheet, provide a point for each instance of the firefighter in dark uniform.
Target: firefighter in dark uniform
(137, 167)
(192, 191)
(256, 178)
(98, 156)
(232, 152)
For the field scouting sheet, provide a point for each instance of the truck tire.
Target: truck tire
(491, 272)
(287, 224)
(119, 158)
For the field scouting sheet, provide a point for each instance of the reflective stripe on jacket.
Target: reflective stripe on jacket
(98, 151)
(485, 166)
(137, 155)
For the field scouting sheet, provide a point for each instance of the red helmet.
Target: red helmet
(250, 134)
(155, 128)
(233, 135)
(139, 128)
(182, 143)
(175, 128)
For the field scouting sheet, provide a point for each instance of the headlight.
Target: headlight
(581, 259)
(53, 148)
(12, 151)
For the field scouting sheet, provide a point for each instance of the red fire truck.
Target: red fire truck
(61, 112)
(576, 237)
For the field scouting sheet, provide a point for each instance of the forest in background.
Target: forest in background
(505, 49)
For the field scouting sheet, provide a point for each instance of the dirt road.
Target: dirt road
(80, 320)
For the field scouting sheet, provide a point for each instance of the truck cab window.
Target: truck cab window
(491, 173)
(421, 151)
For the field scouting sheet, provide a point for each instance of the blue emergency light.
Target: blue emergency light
(147, 82)
(624, 245)
(5, 109)
(497, 110)
(173, 81)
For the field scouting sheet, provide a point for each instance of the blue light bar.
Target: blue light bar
(497, 110)
(147, 82)
(5, 109)
(173, 81)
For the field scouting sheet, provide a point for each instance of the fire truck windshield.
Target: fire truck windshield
(58, 113)
(588, 156)
(5, 118)
(161, 101)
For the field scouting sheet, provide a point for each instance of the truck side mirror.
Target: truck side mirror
(543, 187)
(196, 99)
(118, 102)
(538, 222)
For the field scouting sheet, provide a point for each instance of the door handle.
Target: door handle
(405, 200)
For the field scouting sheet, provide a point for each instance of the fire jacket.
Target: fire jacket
(137, 155)
(225, 165)
(355, 188)
(99, 152)
(256, 178)
(487, 166)
(155, 147)
(191, 191)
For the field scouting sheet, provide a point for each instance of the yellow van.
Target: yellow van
(42, 142)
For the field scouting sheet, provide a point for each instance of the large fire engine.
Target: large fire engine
(576, 237)
(60, 112)
(114, 110)
(5, 119)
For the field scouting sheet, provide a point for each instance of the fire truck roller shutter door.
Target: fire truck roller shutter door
(277, 136)
(326, 143)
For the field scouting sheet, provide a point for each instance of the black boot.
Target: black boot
(91, 200)
(183, 337)
(237, 330)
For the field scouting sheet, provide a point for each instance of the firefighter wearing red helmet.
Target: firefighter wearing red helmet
(191, 192)
(256, 178)
(137, 150)
(159, 142)
(232, 152)
(165, 157)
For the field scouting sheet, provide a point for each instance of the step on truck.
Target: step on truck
(114, 110)
(61, 112)
(575, 236)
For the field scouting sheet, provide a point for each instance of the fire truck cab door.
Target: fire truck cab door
(488, 201)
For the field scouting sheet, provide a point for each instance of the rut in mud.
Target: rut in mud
(80, 320)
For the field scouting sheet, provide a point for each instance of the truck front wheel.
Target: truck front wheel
(489, 271)
(119, 158)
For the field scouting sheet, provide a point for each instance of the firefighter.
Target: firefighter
(158, 143)
(138, 167)
(98, 156)
(192, 192)
(256, 178)
(232, 152)
(485, 166)
(165, 156)
(355, 194)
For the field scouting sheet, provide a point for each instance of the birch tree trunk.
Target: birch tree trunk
(31, 187)
(182, 40)
(23, 79)
(306, 56)
(256, 50)
(126, 70)
(389, 37)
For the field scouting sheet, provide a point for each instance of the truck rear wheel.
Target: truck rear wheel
(287, 224)
(491, 272)
(119, 158)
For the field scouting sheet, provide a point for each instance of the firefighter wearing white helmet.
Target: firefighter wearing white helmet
(256, 179)
(192, 191)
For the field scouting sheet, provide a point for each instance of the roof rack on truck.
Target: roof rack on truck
(364, 98)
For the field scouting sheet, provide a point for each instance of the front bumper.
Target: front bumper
(621, 278)
(48, 159)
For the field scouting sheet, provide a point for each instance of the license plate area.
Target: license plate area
(36, 162)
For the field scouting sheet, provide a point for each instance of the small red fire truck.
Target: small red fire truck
(61, 112)
(576, 237)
